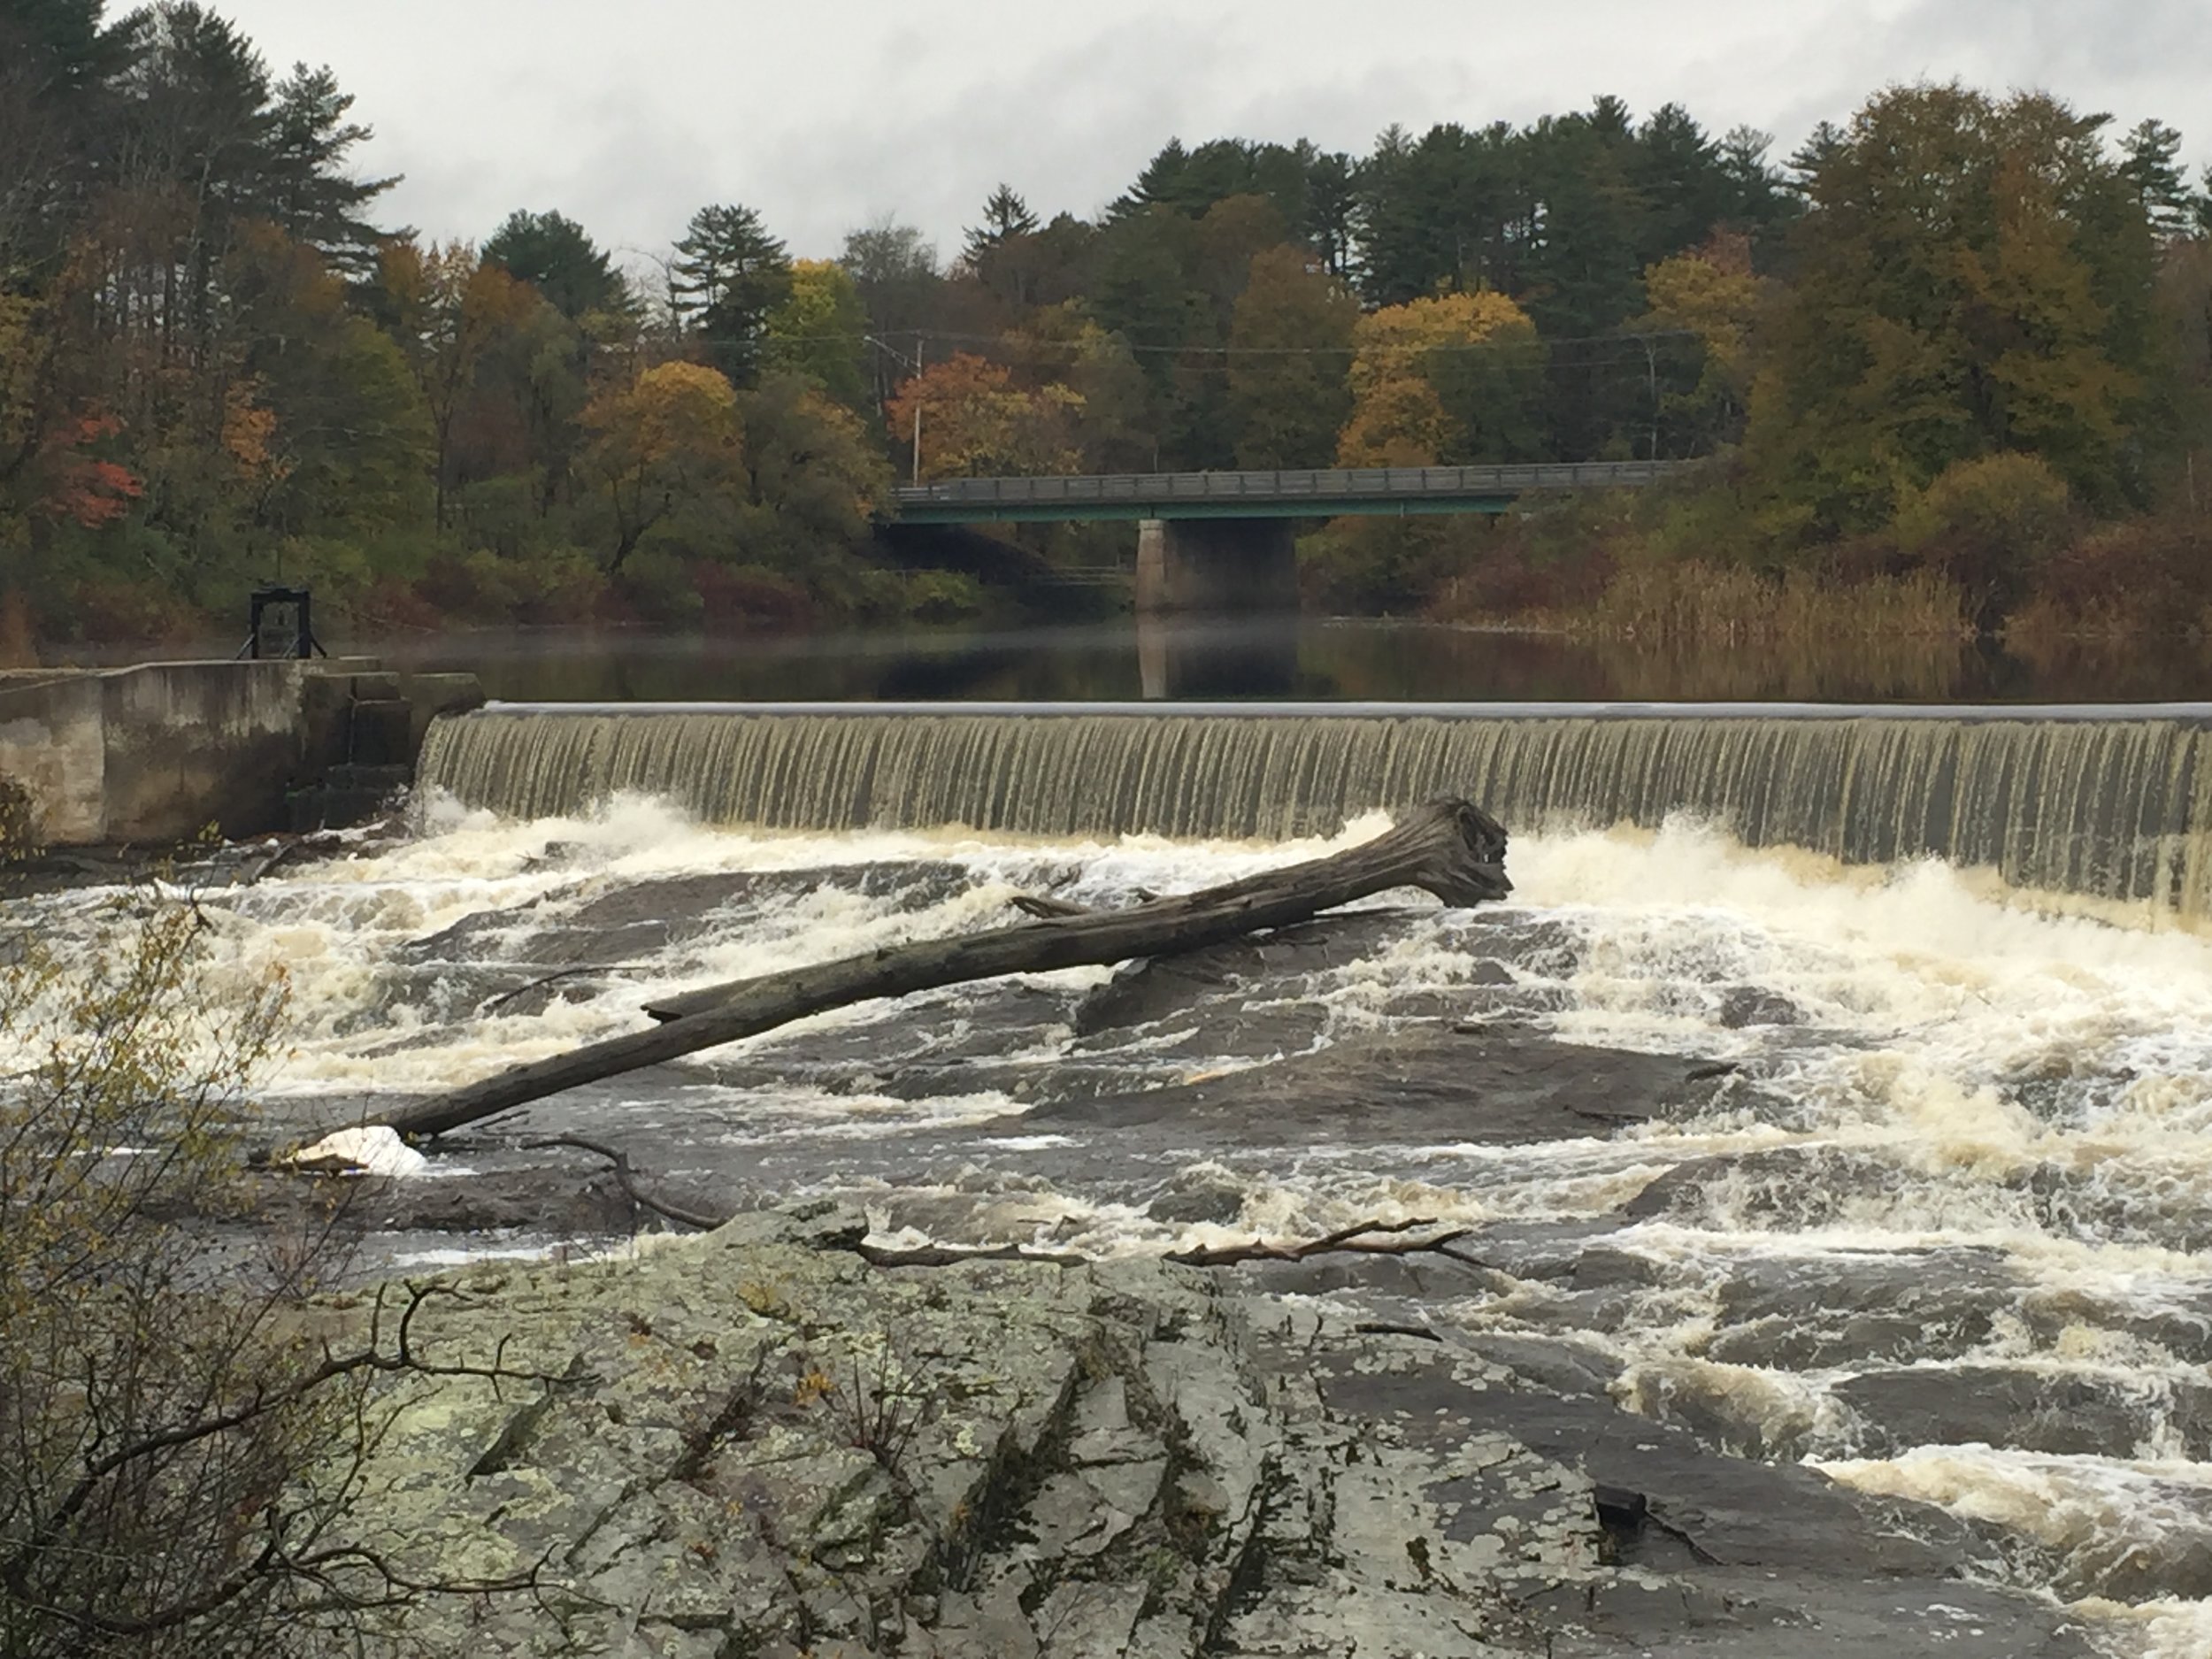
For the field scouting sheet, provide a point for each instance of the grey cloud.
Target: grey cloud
(826, 116)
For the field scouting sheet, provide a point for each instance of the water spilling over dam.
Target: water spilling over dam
(2114, 803)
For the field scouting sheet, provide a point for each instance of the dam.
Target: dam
(2108, 802)
(1861, 1174)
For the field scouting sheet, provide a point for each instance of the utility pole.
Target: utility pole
(921, 348)
(1651, 364)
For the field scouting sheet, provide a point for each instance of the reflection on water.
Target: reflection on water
(1129, 659)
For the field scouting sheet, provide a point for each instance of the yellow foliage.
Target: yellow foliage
(1399, 421)
(2011, 501)
(248, 435)
(1712, 300)
(1399, 417)
(674, 408)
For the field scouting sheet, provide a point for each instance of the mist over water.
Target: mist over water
(1350, 659)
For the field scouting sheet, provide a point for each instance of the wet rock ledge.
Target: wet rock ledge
(763, 1446)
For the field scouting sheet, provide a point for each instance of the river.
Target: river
(1943, 1225)
(1122, 660)
(1847, 1155)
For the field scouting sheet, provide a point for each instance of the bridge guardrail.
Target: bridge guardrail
(1324, 483)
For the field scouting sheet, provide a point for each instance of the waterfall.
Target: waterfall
(2108, 803)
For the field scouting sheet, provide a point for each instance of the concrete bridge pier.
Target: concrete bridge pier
(1242, 567)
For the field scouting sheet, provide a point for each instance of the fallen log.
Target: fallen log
(1447, 847)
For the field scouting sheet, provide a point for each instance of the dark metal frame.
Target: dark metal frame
(303, 644)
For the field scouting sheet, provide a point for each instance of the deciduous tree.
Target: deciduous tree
(669, 438)
(819, 331)
(977, 423)
(1440, 381)
(1973, 276)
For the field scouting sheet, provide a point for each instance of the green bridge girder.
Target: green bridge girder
(1324, 493)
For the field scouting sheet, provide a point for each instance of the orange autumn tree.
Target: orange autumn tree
(670, 437)
(977, 423)
(82, 488)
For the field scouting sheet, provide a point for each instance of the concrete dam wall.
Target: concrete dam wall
(159, 753)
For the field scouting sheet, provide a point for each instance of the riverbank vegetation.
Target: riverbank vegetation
(1948, 365)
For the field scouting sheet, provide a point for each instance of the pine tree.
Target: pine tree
(729, 274)
(1159, 185)
(1005, 217)
(555, 255)
(310, 190)
(2150, 163)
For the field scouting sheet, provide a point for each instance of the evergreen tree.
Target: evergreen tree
(1005, 217)
(309, 189)
(1820, 147)
(728, 275)
(57, 64)
(557, 256)
(1761, 204)
(1158, 185)
(1682, 184)
(2150, 162)
(1332, 205)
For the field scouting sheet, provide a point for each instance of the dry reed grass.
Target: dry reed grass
(1709, 604)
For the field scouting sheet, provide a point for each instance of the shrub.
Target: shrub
(128, 1522)
(180, 1429)
(747, 599)
(1989, 524)
(2143, 577)
(943, 596)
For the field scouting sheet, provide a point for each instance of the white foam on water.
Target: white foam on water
(1981, 1047)
(2168, 1628)
(2103, 1518)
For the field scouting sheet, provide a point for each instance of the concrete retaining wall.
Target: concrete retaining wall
(161, 753)
(53, 749)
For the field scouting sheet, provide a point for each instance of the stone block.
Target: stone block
(383, 732)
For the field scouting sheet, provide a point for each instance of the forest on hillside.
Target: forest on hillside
(1948, 362)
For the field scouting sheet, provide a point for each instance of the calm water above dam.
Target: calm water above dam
(1122, 660)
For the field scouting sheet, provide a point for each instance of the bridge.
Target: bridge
(1222, 541)
(1323, 493)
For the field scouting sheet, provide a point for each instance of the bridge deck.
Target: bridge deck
(1325, 493)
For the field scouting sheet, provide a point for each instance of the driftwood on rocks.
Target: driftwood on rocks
(1448, 848)
(1420, 1236)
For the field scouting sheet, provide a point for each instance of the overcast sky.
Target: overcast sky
(628, 114)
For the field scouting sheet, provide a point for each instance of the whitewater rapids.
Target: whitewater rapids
(1952, 1240)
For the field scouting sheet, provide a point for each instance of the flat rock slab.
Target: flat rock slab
(761, 1445)
(1432, 1085)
